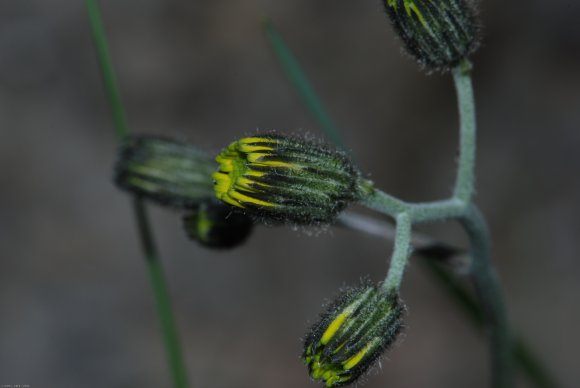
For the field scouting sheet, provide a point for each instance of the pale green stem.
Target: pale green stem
(380, 228)
(153, 263)
(464, 182)
(490, 297)
(458, 207)
(523, 355)
(453, 257)
(380, 201)
(481, 271)
(401, 253)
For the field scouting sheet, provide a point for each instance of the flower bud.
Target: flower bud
(214, 225)
(438, 33)
(166, 171)
(285, 179)
(352, 334)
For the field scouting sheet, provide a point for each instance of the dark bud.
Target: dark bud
(215, 225)
(352, 334)
(438, 33)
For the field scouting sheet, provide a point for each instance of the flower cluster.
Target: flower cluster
(272, 178)
(169, 172)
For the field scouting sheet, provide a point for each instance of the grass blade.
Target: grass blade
(307, 94)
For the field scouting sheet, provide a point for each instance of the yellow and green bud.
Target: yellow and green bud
(214, 225)
(438, 33)
(285, 179)
(169, 172)
(352, 334)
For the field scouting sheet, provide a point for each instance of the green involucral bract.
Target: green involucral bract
(285, 179)
(351, 335)
(438, 33)
(214, 225)
(169, 172)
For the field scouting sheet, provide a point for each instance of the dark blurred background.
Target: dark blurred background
(76, 308)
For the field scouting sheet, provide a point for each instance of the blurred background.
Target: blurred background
(76, 308)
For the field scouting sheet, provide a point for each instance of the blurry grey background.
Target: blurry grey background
(76, 309)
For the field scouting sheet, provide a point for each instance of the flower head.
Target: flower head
(438, 33)
(351, 335)
(166, 171)
(285, 179)
(214, 225)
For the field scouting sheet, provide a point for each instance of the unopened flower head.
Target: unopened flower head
(285, 179)
(352, 334)
(166, 171)
(214, 225)
(438, 33)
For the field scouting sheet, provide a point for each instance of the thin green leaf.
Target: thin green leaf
(294, 72)
(110, 82)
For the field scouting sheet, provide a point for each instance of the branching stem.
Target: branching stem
(463, 191)
(459, 208)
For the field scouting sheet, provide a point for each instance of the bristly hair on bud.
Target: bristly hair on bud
(166, 171)
(285, 179)
(352, 334)
(438, 33)
(215, 225)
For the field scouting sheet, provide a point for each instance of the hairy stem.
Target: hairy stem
(423, 245)
(153, 263)
(490, 297)
(464, 182)
(443, 271)
(380, 201)
(401, 253)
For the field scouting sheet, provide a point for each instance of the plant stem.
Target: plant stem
(490, 297)
(443, 272)
(401, 253)
(419, 212)
(532, 365)
(380, 201)
(423, 245)
(152, 260)
(379, 228)
(162, 300)
(464, 182)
